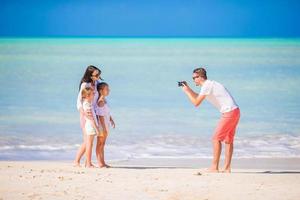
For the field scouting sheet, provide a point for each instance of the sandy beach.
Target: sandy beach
(60, 180)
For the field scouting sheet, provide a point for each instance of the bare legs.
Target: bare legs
(228, 156)
(81, 150)
(89, 148)
(217, 148)
(100, 151)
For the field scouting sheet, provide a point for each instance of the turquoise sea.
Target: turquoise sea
(39, 80)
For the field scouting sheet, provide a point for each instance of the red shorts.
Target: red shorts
(226, 127)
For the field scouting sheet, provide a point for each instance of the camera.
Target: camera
(181, 83)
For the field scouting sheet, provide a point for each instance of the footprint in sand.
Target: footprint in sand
(32, 196)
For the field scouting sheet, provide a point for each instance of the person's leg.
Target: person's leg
(103, 159)
(229, 140)
(89, 148)
(99, 149)
(82, 147)
(228, 156)
(217, 148)
(81, 150)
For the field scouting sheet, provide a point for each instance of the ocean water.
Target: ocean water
(39, 84)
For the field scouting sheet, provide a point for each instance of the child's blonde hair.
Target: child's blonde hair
(86, 92)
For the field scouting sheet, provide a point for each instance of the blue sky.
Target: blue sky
(151, 18)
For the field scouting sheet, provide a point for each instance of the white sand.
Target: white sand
(59, 180)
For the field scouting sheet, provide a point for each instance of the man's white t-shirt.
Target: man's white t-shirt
(218, 96)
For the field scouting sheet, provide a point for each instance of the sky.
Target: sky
(150, 18)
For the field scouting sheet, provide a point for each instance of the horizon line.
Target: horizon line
(145, 37)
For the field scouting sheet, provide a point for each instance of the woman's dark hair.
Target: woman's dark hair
(101, 86)
(87, 77)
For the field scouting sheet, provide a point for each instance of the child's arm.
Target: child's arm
(95, 126)
(112, 122)
(88, 113)
(95, 122)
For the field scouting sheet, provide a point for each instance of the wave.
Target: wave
(39, 147)
(169, 146)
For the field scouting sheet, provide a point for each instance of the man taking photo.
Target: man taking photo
(218, 96)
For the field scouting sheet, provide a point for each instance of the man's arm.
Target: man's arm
(195, 98)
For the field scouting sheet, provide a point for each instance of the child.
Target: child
(104, 121)
(91, 128)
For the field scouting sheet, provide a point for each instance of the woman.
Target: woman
(90, 79)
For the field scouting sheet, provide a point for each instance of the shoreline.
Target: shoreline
(288, 164)
(238, 163)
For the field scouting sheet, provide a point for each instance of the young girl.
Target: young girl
(91, 125)
(104, 121)
(90, 79)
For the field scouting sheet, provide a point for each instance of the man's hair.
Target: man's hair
(201, 72)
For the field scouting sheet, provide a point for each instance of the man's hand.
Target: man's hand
(185, 86)
(195, 98)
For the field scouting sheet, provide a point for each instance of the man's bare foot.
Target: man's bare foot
(226, 170)
(212, 170)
